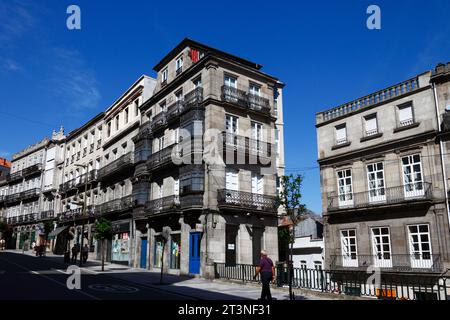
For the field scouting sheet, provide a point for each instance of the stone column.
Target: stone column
(184, 254)
(151, 244)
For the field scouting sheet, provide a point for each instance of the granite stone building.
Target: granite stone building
(384, 178)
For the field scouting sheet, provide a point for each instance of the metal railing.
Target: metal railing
(29, 194)
(381, 196)
(161, 158)
(14, 176)
(392, 262)
(246, 100)
(372, 99)
(124, 203)
(117, 165)
(351, 283)
(162, 205)
(48, 214)
(32, 169)
(240, 199)
(191, 201)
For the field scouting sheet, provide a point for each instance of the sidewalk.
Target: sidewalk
(198, 288)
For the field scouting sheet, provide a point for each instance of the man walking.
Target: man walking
(85, 253)
(74, 253)
(266, 269)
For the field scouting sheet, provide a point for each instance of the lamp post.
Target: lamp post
(84, 209)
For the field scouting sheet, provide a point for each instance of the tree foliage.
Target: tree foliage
(290, 196)
(103, 229)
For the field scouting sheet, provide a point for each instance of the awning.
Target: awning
(57, 231)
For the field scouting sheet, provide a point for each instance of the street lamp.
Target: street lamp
(84, 209)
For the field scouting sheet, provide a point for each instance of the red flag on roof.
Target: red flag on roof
(195, 55)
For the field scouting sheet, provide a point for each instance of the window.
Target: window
(161, 142)
(381, 247)
(371, 126)
(257, 183)
(255, 89)
(405, 115)
(230, 82)
(179, 65)
(345, 190)
(375, 180)
(256, 136)
(197, 82)
(420, 246)
(231, 127)
(277, 141)
(164, 75)
(303, 264)
(136, 107)
(108, 129)
(318, 265)
(125, 118)
(341, 134)
(175, 249)
(412, 176)
(232, 179)
(117, 123)
(349, 248)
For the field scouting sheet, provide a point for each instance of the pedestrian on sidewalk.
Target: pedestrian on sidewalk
(85, 253)
(266, 269)
(74, 253)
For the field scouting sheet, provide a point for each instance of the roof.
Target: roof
(79, 130)
(5, 163)
(207, 49)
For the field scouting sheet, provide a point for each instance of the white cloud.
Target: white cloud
(73, 81)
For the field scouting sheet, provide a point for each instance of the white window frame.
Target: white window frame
(382, 255)
(341, 140)
(420, 257)
(231, 179)
(407, 120)
(369, 128)
(345, 195)
(349, 256)
(231, 129)
(375, 184)
(164, 75)
(413, 186)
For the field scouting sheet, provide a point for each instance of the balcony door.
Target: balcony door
(420, 246)
(375, 179)
(255, 93)
(412, 176)
(256, 136)
(349, 248)
(232, 186)
(230, 89)
(231, 127)
(381, 247)
(345, 189)
(257, 189)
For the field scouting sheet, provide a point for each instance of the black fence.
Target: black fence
(370, 284)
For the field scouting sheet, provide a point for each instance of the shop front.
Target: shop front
(121, 242)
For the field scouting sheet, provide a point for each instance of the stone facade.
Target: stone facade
(383, 193)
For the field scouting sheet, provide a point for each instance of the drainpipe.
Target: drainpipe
(441, 151)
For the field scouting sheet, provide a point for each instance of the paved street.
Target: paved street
(29, 277)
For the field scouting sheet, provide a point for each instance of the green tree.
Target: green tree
(289, 198)
(103, 233)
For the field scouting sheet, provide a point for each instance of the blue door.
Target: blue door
(194, 252)
(143, 253)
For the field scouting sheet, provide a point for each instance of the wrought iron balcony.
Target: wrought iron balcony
(415, 192)
(389, 262)
(30, 194)
(191, 100)
(48, 214)
(161, 158)
(191, 201)
(91, 176)
(162, 205)
(246, 100)
(68, 185)
(14, 176)
(37, 168)
(15, 197)
(116, 205)
(246, 201)
(246, 145)
(2, 199)
(124, 162)
(76, 214)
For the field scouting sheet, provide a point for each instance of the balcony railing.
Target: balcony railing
(246, 100)
(424, 262)
(124, 203)
(76, 214)
(14, 176)
(48, 214)
(32, 170)
(246, 200)
(123, 162)
(381, 196)
(162, 205)
(91, 176)
(191, 201)
(372, 99)
(161, 158)
(29, 194)
(247, 145)
(13, 197)
(68, 185)
(191, 99)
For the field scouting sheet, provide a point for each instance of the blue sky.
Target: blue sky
(322, 50)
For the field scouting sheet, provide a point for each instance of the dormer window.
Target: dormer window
(165, 74)
(179, 65)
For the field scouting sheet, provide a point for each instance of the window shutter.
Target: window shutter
(405, 114)
(341, 134)
(371, 124)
